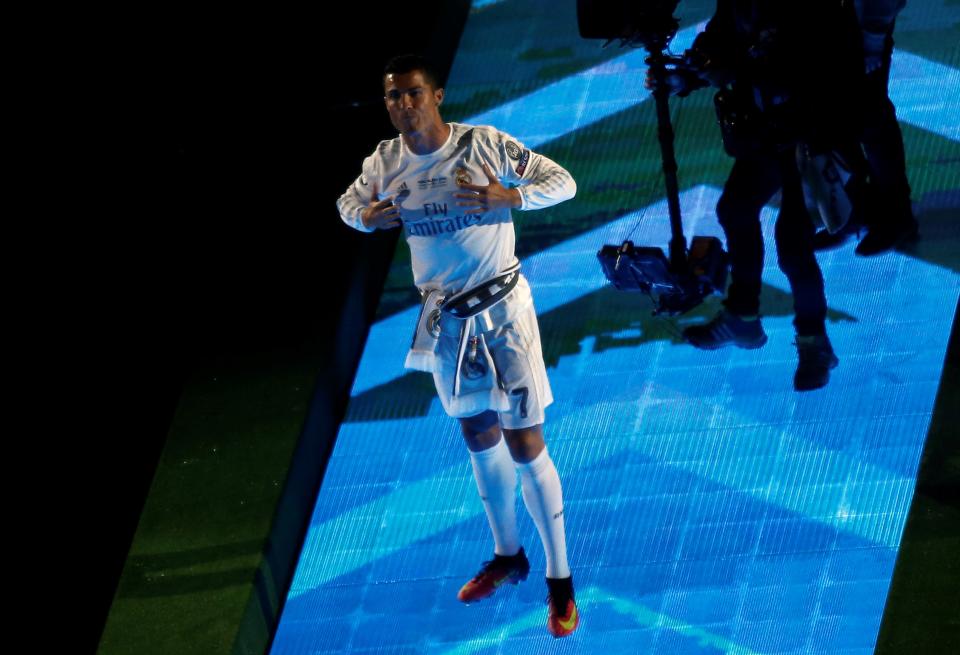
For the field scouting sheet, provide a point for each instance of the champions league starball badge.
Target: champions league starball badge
(513, 150)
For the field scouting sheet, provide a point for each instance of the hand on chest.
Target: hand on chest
(427, 193)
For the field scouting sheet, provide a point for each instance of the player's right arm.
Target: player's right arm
(362, 209)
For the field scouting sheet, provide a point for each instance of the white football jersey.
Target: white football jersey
(451, 250)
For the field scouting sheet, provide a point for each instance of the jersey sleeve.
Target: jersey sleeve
(541, 181)
(358, 195)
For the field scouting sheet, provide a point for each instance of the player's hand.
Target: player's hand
(380, 215)
(479, 199)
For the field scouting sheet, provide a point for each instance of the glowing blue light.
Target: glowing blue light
(841, 491)
(926, 94)
(710, 508)
(579, 100)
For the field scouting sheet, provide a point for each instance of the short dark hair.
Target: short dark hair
(407, 64)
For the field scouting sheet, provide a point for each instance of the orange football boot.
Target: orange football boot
(496, 572)
(563, 616)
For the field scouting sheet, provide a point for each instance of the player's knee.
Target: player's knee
(481, 431)
(525, 444)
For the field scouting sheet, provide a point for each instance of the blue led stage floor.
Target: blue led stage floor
(709, 507)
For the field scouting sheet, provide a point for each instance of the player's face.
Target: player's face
(412, 103)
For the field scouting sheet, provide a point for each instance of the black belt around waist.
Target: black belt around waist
(483, 296)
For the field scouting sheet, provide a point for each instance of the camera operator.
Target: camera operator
(789, 73)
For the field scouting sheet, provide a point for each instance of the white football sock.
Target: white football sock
(497, 483)
(544, 500)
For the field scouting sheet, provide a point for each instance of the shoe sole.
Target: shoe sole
(753, 345)
(563, 636)
(510, 580)
(836, 362)
(909, 237)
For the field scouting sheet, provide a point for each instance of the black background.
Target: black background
(200, 154)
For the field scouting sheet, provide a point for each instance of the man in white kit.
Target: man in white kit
(477, 332)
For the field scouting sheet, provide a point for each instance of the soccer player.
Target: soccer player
(443, 183)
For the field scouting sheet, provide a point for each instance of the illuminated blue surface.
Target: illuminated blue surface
(926, 94)
(602, 91)
(709, 507)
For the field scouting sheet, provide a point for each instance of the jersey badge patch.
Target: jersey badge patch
(522, 164)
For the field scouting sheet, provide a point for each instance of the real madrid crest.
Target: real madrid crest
(462, 176)
(433, 323)
(473, 367)
(474, 370)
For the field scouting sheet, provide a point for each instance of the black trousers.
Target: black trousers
(883, 146)
(752, 183)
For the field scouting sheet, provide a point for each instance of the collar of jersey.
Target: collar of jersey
(429, 155)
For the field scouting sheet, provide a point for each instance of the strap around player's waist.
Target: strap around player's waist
(483, 296)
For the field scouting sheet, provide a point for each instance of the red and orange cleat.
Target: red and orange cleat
(500, 570)
(563, 616)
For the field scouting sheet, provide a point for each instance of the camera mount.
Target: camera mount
(681, 282)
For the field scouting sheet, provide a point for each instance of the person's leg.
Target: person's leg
(751, 184)
(543, 498)
(496, 478)
(891, 216)
(794, 237)
(519, 362)
(542, 494)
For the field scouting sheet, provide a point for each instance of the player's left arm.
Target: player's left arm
(535, 181)
(540, 181)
